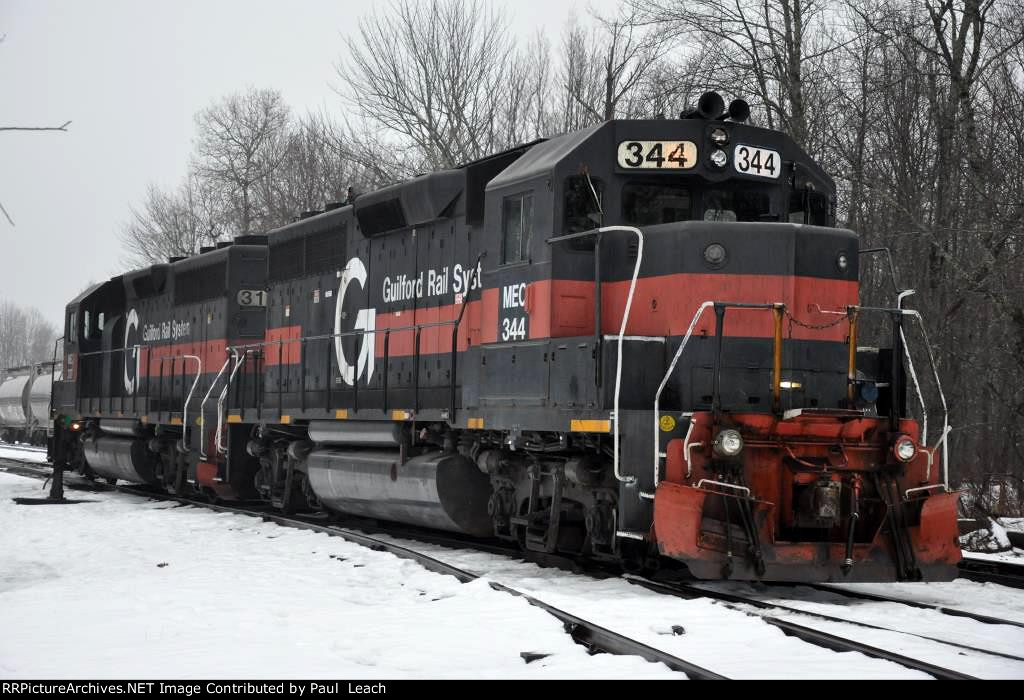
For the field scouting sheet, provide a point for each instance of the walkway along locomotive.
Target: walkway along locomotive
(633, 341)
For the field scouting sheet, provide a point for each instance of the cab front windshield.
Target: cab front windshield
(652, 203)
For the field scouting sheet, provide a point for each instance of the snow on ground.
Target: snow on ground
(972, 596)
(36, 455)
(731, 642)
(1007, 639)
(1013, 556)
(123, 587)
(126, 587)
(1013, 524)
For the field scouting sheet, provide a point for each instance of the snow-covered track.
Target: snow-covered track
(945, 610)
(582, 631)
(991, 571)
(593, 636)
(813, 636)
(22, 448)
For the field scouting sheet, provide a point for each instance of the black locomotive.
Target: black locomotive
(630, 341)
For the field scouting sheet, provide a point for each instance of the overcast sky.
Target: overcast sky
(130, 75)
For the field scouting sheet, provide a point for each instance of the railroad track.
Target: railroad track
(830, 641)
(593, 636)
(23, 448)
(989, 571)
(878, 598)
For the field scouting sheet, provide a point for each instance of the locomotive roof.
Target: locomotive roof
(543, 157)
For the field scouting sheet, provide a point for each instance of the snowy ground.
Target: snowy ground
(123, 586)
(36, 455)
(1013, 556)
(714, 639)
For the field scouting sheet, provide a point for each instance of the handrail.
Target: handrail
(910, 365)
(184, 412)
(622, 334)
(946, 427)
(53, 368)
(239, 361)
(345, 334)
(743, 489)
(622, 328)
(776, 380)
(942, 396)
(202, 408)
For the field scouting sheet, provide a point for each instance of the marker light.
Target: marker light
(842, 262)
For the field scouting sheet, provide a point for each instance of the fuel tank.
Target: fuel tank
(436, 490)
(121, 458)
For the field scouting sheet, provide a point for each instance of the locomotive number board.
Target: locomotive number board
(657, 155)
(252, 297)
(751, 160)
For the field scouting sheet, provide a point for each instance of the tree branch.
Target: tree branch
(62, 127)
(6, 215)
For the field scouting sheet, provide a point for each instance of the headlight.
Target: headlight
(904, 448)
(719, 158)
(729, 443)
(719, 137)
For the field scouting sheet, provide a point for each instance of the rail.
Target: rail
(598, 233)
(218, 438)
(900, 296)
(195, 382)
(897, 315)
(777, 309)
(259, 350)
(202, 407)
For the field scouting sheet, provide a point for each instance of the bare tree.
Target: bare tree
(174, 223)
(432, 76)
(605, 65)
(770, 50)
(25, 336)
(62, 127)
(311, 172)
(241, 140)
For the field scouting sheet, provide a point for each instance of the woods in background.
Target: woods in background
(915, 107)
(26, 337)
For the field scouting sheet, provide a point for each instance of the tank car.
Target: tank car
(25, 403)
(636, 342)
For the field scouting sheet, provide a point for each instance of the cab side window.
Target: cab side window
(517, 228)
(808, 207)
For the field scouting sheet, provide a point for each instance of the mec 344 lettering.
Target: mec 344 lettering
(513, 324)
